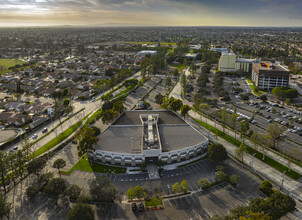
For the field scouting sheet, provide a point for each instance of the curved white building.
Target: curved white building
(138, 137)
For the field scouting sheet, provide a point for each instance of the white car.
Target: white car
(35, 136)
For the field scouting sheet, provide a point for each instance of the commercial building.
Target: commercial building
(145, 52)
(142, 136)
(244, 65)
(266, 75)
(227, 62)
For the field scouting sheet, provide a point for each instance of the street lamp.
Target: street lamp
(253, 161)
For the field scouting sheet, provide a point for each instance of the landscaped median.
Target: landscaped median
(85, 165)
(278, 166)
(61, 137)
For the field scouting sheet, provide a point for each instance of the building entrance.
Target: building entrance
(151, 160)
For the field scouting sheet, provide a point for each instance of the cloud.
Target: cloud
(168, 12)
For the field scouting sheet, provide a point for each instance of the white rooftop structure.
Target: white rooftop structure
(145, 52)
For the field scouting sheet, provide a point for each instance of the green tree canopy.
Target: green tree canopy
(81, 211)
(217, 152)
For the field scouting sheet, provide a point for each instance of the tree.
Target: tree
(168, 81)
(204, 108)
(56, 186)
(130, 194)
(66, 102)
(224, 116)
(255, 216)
(257, 140)
(102, 190)
(138, 192)
(263, 98)
(284, 92)
(44, 178)
(20, 160)
(275, 132)
(233, 122)
(119, 107)
(3, 169)
(81, 211)
(73, 191)
(176, 105)
(241, 151)
(5, 207)
(36, 166)
(159, 99)
(12, 161)
(184, 186)
(234, 179)
(59, 164)
(31, 192)
(175, 73)
(86, 139)
(217, 152)
(184, 110)
(220, 176)
(204, 183)
(266, 187)
(176, 188)
(183, 82)
(244, 127)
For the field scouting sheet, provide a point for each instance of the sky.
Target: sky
(151, 12)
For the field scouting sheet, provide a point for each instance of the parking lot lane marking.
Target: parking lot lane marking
(195, 197)
(114, 178)
(187, 199)
(195, 186)
(190, 187)
(186, 170)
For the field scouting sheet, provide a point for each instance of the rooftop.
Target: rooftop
(270, 66)
(125, 135)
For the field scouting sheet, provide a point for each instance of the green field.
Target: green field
(84, 165)
(10, 62)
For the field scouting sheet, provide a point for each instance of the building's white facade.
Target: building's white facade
(227, 62)
(145, 52)
(137, 159)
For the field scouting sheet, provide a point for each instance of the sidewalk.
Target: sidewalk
(293, 187)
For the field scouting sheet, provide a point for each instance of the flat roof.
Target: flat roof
(121, 139)
(278, 68)
(132, 117)
(177, 137)
(125, 135)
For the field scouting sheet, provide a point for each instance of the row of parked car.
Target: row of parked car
(241, 116)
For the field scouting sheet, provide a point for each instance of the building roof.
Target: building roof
(124, 136)
(277, 68)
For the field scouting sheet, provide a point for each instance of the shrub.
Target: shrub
(204, 183)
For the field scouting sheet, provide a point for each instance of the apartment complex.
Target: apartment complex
(266, 75)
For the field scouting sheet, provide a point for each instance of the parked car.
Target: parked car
(141, 207)
(134, 207)
(35, 136)
(44, 130)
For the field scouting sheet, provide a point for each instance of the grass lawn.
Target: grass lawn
(93, 116)
(278, 166)
(10, 62)
(84, 165)
(61, 137)
(249, 80)
(153, 202)
(256, 93)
